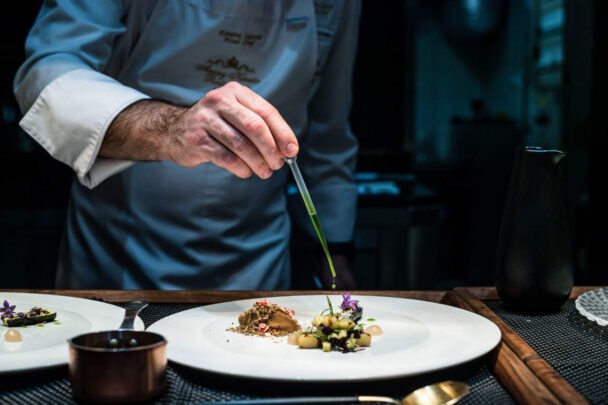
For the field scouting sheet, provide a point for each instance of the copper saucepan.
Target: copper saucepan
(121, 365)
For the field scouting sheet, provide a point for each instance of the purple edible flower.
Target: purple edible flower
(348, 303)
(7, 310)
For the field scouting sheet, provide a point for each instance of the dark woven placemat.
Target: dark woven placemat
(576, 347)
(185, 386)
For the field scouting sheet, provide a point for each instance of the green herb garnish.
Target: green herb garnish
(331, 308)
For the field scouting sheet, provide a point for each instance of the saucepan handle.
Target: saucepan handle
(131, 310)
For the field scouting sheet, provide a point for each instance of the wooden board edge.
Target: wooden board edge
(510, 371)
(524, 352)
(520, 381)
(204, 297)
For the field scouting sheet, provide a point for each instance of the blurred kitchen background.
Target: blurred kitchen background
(444, 92)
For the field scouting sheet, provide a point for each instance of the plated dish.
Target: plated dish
(338, 329)
(34, 346)
(418, 337)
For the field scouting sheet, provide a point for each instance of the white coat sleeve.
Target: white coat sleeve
(67, 101)
(328, 154)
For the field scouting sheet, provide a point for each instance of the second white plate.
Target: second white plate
(419, 337)
(46, 345)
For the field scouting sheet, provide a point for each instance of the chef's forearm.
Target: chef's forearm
(142, 131)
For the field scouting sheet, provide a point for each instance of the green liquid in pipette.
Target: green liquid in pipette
(312, 213)
(317, 224)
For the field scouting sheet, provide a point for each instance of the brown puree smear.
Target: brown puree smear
(266, 319)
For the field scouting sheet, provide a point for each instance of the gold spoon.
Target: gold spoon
(443, 393)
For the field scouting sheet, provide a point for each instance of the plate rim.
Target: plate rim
(390, 376)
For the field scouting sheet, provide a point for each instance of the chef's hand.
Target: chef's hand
(233, 128)
(344, 275)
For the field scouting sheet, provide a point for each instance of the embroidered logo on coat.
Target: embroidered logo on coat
(322, 9)
(219, 71)
(240, 38)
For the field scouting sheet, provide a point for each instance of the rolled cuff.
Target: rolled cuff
(70, 118)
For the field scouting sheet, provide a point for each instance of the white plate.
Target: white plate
(47, 346)
(594, 305)
(419, 337)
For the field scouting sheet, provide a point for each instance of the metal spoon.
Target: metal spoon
(443, 393)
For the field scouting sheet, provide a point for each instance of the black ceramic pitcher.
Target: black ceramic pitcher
(534, 260)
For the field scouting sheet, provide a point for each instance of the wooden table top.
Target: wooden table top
(212, 296)
(518, 367)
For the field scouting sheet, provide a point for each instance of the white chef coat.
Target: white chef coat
(157, 225)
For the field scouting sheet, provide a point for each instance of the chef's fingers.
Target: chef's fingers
(280, 130)
(256, 130)
(221, 156)
(239, 144)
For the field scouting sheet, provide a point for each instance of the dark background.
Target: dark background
(444, 93)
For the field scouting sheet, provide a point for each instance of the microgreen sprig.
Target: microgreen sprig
(331, 308)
